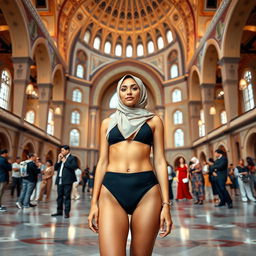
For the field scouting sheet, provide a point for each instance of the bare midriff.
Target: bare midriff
(129, 157)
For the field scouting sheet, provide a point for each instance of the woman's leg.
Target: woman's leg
(242, 190)
(42, 190)
(113, 225)
(145, 223)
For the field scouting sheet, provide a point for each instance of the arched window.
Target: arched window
(96, 43)
(107, 47)
(50, 123)
(174, 71)
(118, 50)
(178, 117)
(176, 95)
(87, 36)
(160, 43)
(30, 116)
(128, 50)
(179, 138)
(248, 92)
(140, 50)
(223, 117)
(74, 137)
(201, 124)
(80, 71)
(75, 117)
(169, 36)
(77, 95)
(5, 88)
(114, 101)
(150, 47)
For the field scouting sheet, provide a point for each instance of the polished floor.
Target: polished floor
(198, 230)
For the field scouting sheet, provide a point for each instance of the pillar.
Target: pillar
(194, 114)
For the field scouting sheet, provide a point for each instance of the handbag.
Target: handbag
(245, 178)
(185, 180)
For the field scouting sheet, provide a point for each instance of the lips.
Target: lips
(129, 98)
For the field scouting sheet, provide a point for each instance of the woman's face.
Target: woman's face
(181, 160)
(129, 92)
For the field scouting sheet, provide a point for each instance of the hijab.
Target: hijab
(195, 162)
(130, 119)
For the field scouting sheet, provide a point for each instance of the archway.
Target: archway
(202, 157)
(251, 146)
(4, 142)
(28, 148)
(194, 85)
(58, 92)
(49, 156)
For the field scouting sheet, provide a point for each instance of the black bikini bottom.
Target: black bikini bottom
(129, 188)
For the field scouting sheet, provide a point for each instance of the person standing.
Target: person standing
(28, 182)
(220, 168)
(75, 194)
(66, 166)
(244, 180)
(46, 184)
(16, 177)
(207, 183)
(197, 181)
(91, 180)
(252, 171)
(213, 181)
(5, 168)
(182, 175)
(85, 178)
(171, 175)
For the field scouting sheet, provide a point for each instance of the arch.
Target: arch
(49, 155)
(27, 148)
(209, 62)
(5, 141)
(58, 83)
(41, 55)
(113, 71)
(233, 31)
(194, 84)
(202, 156)
(249, 143)
(16, 19)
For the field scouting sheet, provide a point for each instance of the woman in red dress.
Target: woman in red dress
(182, 175)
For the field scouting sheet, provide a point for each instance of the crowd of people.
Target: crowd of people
(213, 180)
(32, 181)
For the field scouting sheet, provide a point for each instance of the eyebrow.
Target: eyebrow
(124, 85)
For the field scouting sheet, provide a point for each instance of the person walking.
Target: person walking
(66, 166)
(46, 184)
(28, 182)
(183, 180)
(16, 177)
(220, 171)
(75, 194)
(5, 168)
(197, 181)
(244, 181)
(85, 178)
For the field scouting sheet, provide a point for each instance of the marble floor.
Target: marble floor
(198, 230)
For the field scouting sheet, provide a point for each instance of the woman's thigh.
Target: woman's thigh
(113, 225)
(145, 223)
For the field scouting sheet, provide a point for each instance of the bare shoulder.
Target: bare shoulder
(105, 123)
(157, 121)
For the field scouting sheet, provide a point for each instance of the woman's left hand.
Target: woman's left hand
(165, 221)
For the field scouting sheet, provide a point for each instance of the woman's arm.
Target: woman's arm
(102, 163)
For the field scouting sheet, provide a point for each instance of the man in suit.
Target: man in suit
(5, 168)
(220, 168)
(66, 166)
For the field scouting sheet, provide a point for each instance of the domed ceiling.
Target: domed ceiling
(126, 21)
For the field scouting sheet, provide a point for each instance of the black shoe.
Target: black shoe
(219, 205)
(230, 206)
(66, 215)
(56, 214)
(32, 205)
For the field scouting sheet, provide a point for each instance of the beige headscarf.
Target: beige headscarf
(195, 162)
(129, 120)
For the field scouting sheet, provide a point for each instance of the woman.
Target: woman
(197, 180)
(183, 175)
(124, 182)
(252, 170)
(207, 183)
(242, 172)
(46, 184)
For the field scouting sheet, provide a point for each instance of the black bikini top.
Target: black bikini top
(144, 135)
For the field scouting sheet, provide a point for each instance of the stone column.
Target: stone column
(208, 101)
(45, 94)
(229, 67)
(21, 79)
(92, 130)
(58, 118)
(194, 113)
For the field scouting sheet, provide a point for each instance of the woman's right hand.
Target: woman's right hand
(93, 218)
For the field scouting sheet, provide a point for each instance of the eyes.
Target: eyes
(134, 88)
